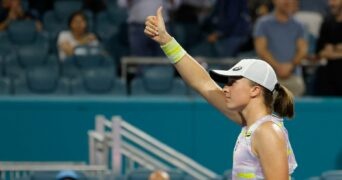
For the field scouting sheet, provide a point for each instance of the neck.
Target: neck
(281, 17)
(253, 112)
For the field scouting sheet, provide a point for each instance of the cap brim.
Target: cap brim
(221, 76)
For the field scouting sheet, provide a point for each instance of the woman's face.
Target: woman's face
(78, 25)
(237, 93)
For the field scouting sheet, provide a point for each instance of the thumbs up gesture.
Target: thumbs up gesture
(155, 28)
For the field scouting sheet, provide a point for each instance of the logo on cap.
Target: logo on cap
(238, 68)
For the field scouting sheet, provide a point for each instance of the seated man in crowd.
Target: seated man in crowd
(280, 40)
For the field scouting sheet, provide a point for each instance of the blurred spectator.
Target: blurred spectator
(329, 47)
(159, 175)
(229, 27)
(12, 10)
(94, 5)
(139, 44)
(76, 35)
(192, 11)
(67, 175)
(320, 6)
(41, 6)
(258, 8)
(280, 40)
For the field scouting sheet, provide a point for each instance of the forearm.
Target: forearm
(268, 57)
(302, 51)
(189, 69)
(299, 56)
(337, 55)
(193, 73)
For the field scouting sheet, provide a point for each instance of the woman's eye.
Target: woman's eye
(231, 82)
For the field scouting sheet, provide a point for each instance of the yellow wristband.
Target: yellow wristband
(173, 50)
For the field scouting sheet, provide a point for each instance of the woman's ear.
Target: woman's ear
(255, 91)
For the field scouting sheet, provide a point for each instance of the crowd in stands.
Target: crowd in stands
(76, 46)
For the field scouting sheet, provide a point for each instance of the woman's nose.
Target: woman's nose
(226, 89)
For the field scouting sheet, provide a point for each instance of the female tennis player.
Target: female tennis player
(251, 97)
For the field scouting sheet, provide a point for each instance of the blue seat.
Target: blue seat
(332, 175)
(28, 57)
(24, 32)
(41, 81)
(34, 55)
(86, 57)
(98, 81)
(158, 80)
(108, 22)
(112, 30)
(91, 56)
(63, 9)
(5, 86)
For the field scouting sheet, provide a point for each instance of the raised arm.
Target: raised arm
(191, 71)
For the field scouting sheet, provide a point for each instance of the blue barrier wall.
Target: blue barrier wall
(55, 129)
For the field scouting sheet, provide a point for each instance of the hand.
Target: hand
(213, 37)
(284, 70)
(67, 48)
(327, 52)
(339, 47)
(90, 38)
(155, 28)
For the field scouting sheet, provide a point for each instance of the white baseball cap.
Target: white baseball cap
(255, 70)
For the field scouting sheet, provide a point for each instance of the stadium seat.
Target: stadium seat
(98, 81)
(5, 86)
(108, 22)
(63, 9)
(24, 32)
(41, 81)
(90, 56)
(158, 80)
(33, 55)
(86, 57)
(112, 30)
(27, 57)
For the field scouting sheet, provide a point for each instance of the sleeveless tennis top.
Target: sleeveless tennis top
(245, 164)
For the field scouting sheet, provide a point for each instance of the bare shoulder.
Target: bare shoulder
(269, 132)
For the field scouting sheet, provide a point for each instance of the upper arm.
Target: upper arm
(62, 37)
(199, 79)
(260, 34)
(269, 143)
(302, 44)
(260, 44)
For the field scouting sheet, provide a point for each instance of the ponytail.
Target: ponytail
(284, 102)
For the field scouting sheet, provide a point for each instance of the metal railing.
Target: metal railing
(122, 140)
(127, 62)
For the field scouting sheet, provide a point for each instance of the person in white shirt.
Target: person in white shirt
(76, 35)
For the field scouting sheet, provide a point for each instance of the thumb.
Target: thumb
(160, 18)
